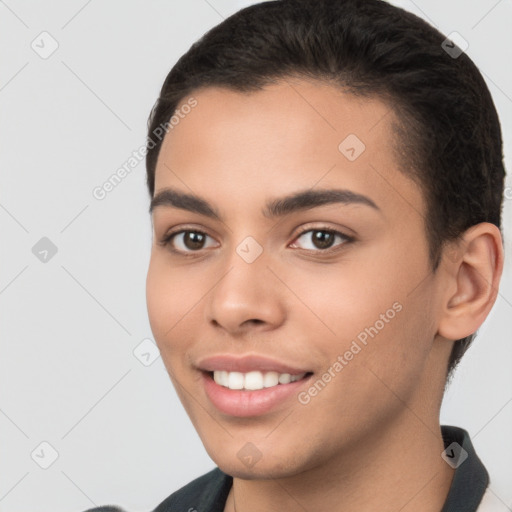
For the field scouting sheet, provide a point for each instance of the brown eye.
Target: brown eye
(193, 240)
(323, 239)
(186, 241)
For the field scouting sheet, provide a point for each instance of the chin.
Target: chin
(259, 471)
(249, 464)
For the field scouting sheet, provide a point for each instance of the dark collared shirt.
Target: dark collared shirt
(209, 492)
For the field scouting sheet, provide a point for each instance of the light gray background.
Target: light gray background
(68, 374)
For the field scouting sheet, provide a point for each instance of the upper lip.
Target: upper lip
(247, 363)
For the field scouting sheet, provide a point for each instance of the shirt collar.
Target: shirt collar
(470, 479)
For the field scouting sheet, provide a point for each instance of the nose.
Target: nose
(247, 297)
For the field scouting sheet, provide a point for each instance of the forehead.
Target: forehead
(294, 113)
(293, 134)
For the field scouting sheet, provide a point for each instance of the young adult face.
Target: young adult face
(281, 288)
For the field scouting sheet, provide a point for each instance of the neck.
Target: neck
(404, 473)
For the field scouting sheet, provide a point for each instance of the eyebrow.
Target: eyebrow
(298, 201)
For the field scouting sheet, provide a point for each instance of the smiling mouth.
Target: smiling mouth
(254, 380)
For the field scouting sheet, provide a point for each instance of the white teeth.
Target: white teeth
(270, 379)
(235, 380)
(253, 380)
(285, 378)
(221, 378)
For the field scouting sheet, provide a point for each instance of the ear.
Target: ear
(473, 265)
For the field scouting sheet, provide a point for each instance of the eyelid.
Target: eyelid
(319, 226)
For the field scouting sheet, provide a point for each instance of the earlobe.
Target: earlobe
(474, 267)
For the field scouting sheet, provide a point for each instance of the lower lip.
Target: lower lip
(245, 403)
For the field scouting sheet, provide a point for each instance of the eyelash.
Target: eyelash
(168, 238)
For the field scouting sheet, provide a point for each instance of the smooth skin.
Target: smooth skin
(370, 440)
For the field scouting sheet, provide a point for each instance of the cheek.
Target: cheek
(343, 300)
(169, 299)
(156, 298)
(379, 320)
